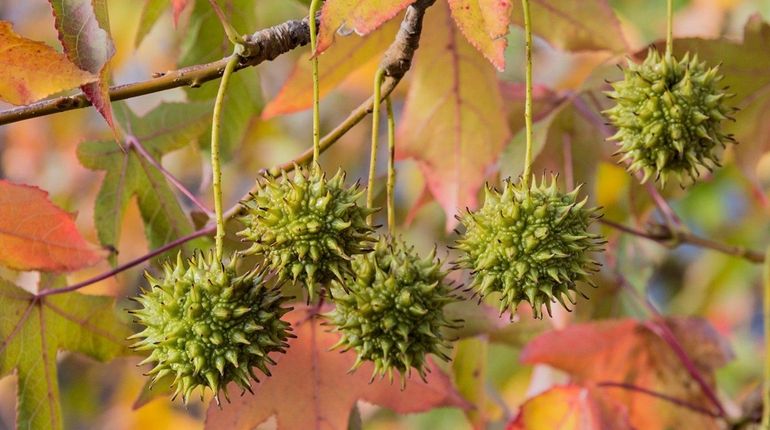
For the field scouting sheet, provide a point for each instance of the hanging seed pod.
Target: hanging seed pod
(390, 311)
(306, 227)
(529, 244)
(206, 326)
(668, 113)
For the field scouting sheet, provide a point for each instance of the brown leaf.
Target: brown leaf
(31, 70)
(36, 235)
(311, 388)
(627, 351)
(454, 121)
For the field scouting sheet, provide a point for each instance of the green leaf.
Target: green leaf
(33, 330)
(588, 25)
(469, 369)
(205, 42)
(169, 127)
(152, 10)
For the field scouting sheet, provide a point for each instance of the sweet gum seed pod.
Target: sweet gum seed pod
(529, 244)
(206, 326)
(390, 311)
(307, 227)
(668, 114)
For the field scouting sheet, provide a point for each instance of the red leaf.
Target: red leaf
(568, 407)
(177, 7)
(36, 235)
(485, 24)
(454, 126)
(361, 16)
(311, 388)
(83, 27)
(627, 351)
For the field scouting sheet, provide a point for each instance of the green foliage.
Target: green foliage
(167, 128)
(669, 115)
(529, 244)
(306, 227)
(391, 310)
(33, 330)
(207, 326)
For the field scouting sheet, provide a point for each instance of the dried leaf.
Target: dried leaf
(361, 16)
(37, 235)
(454, 126)
(31, 70)
(311, 388)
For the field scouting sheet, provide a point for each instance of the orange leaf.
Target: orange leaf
(361, 16)
(31, 70)
(311, 388)
(627, 351)
(36, 235)
(485, 24)
(568, 407)
(342, 58)
(454, 121)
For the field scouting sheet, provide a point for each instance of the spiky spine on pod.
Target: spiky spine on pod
(391, 310)
(307, 227)
(529, 244)
(206, 326)
(668, 114)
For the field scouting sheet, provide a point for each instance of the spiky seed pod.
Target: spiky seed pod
(668, 114)
(206, 326)
(307, 227)
(529, 244)
(391, 310)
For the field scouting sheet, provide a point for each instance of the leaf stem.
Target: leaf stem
(528, 99)
(391, 186)
(766, 319)
(314, 5)
(216, 165)
(378, 77)
(669, 28)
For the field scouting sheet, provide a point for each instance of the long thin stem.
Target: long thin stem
(390, 188)
(669, 28)
(314, 5)
(766, 318)
(528, 99)
(378, 77)
(216, 166)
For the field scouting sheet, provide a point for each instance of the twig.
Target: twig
(528, 98)
(264, 45)
(391, 182)
(665, 397)
(378, 77)
(397, 62)
(133, 142)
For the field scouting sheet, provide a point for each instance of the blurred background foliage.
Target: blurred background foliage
(731, 206)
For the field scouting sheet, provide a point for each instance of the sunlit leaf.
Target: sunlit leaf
(37, 235)
(361, 16)
(485, 24)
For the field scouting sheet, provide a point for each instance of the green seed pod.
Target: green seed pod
(391, 310)
(206, 326)
(306, 227)
(529, 244)
(668, 114)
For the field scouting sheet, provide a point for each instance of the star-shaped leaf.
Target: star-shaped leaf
(311, 388)
(33, 329)
(167, 128)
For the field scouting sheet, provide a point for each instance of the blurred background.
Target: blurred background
(730, 206)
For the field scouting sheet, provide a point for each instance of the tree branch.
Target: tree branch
(264, 45)
(397, 61)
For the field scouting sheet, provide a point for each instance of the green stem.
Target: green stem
(528, 99)
(391, 201)
(378, 77)
(216, 165)
(670, 28)
(314, 5)
(766, 305)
